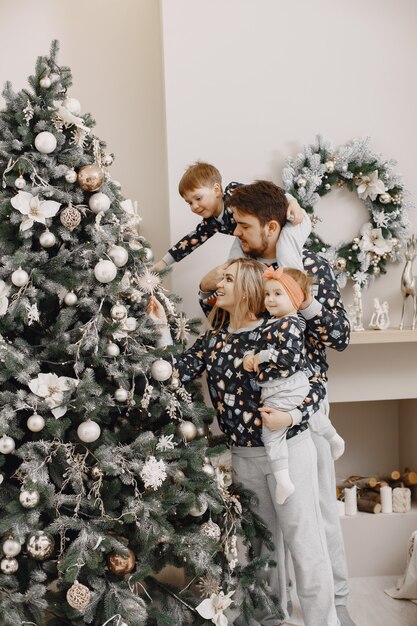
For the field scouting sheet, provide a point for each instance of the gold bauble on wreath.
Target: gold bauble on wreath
(70, 217)
(119, 564)
(90, 177)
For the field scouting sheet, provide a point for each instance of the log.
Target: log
(369, 506)
(374, 496)
(409, 478)
(361, 482)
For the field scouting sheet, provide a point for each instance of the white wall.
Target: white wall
(114, 50)
(249, 82)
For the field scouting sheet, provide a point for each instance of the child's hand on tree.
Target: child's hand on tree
(159, 266)
(156, 312)
(294, 212)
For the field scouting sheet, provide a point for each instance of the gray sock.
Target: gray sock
(343, 615)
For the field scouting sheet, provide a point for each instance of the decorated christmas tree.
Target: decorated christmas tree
(108, 469)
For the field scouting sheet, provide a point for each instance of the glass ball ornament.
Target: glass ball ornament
(99, 203)
(90, 177)
(130, 324)
(35, 423)
(71, 176)
(20, 182)
(186, 430)
(148, 254)
(118, 255)
(45, 142)
(209, 469)
(7, 444)
(345, 168)
(107, 160)
(29, 498)
(118, 311)
(161, 370)
(45, 82)
(9, 566)
(72, 105)
(327, 186)
(121, 394)
(40, 545)
(88, 431)
(384, 198)
(20, 277)
(70, 298)
(203, 431)
(178, 476)
(47, 239)
(119, 564)
(105, 271)
(11, 547)
(70, 217)
(112, 349)
(211, 529)
(198, 509)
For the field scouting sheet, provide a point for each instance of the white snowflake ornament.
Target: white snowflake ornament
(153, 473)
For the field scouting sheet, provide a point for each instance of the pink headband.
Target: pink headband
(293, 289)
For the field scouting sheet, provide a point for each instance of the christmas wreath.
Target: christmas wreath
(313, 173)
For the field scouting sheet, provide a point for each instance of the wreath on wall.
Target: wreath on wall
(314, 172)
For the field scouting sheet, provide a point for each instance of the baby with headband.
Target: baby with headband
(282, 371)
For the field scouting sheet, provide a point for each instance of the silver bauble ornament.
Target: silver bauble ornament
(20, 277)
(72, 105)
(198, 509)
(88, 431)
(301, 181)
(71, 176)
(327, 186)
(148, 254)
(161, 370)
(40, 545)
(45, 82)
(112, 349)
(45, 142)
(130, 324)
(35, 423)
(107, 160)
(7, 444)
(29, 499)
(211, 529)
(209, 469)
(90, 177)
(70, 217)
(70, 298)
(203, 431)
(9, 566)
(384, 198)
(11, 547)
(20, 182)
(99, 203)
(329, 165)
(186, 430)
(118, 311)
(118, 255)
(78, 596)
(105, 271)
(121, 394)
(47, 239)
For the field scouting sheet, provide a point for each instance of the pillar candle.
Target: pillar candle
(340, 507)
(351, 507)
(386, 499)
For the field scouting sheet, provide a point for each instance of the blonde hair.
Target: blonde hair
(248, 290)
(304, 280)
(199, 174)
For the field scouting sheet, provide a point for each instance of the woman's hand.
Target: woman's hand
(159, 266)
(294, 212)
(274, 419)
(156, 312)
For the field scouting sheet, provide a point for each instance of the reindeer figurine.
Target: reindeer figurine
(408, 281)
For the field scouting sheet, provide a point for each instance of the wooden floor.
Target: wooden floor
(370, 606)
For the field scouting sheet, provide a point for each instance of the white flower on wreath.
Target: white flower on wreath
(373, 241)
(381, 219)
(36, 210)
(4, 300)
(213, 607)
(371, 186)
(361, 278)
(55, 390)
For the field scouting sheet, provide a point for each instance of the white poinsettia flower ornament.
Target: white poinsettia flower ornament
(373, 241)
(213, 607)
(371, 186)
(55, 390)
(4, 300)
(33, 208)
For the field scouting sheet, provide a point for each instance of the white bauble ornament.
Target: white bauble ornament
(79, 597)
(329, 166)
(385, 198)
(118, 255)
(70, 298)
(9, 566)
(71, 176)
(20, 277)
(301, 181)
(72, 105)
(7, 444)
(211, 529)
(186, 430)
(29, 499)
(118, 311)
(105, 271)
(198, 510)
(45, 142)
(112, 349)
(47, 239)
(35, 423)
(20, 182)
(121, 394)
(45, 82)
(208, 469)
(99, 202)
(11, 547)
(130, 324)
(40, 545)
(344, 168)
(88, 431)
(107, 160)
(148, 254)
(161, 370)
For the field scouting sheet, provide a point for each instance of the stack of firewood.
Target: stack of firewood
(368, 488)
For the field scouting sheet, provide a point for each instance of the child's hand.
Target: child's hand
(159, 266)
(156, 312)
(251, 362)
(294, 212)
(256, 363)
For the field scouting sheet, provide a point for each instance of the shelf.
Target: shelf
(392, 335)
(362, 515)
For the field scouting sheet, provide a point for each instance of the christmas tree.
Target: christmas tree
(108, 471)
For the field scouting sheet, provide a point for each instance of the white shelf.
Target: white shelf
(392, 335)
